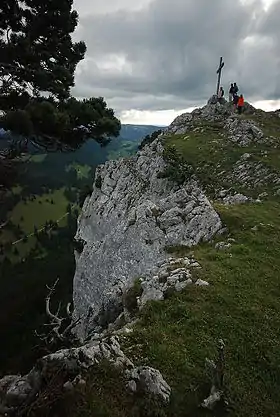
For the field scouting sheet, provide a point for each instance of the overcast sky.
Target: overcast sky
(157, 59)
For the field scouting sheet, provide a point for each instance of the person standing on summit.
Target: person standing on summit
(240, 104)
(221, 94)
(235, 101)
(235, 89)
(230, 93)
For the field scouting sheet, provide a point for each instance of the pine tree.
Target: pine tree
(39, 56)
(37, 51)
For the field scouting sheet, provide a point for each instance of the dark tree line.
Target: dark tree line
(38, 59)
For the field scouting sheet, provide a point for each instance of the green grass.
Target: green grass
(6, 235)
(208, 154)
(242, 306)
(38, 158)
(269, 123)
(23, 248)
(17, 189)
(35, 213)
(83, 171)
(212, 156)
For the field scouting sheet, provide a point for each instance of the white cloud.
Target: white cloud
(267, 105)
(150, 59)
(268, 4)
(157, 118)
(164, 118)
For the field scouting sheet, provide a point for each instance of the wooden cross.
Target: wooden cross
(219, 72)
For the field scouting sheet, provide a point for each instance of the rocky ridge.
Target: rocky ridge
(132, 217)
(127, 223)
(249, 132)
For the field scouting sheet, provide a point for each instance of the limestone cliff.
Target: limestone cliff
(135, 213)
(127, 223)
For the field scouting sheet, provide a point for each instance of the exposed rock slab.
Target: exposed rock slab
(18, 391)
(214, 111)
(243, 132)
(150, 380)
(127, 224)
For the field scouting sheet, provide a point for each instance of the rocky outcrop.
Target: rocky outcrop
(243, 132)
(149, 380)
(173, 275)
(134, 214)
(131, 217)
(20, 391)
(249, 172)
(214, 111)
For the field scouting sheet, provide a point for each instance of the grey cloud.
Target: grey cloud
(173, 49)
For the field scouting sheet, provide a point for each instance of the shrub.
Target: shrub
(130, 297)
(177, 169)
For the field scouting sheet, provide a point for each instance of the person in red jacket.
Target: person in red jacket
(240, 104)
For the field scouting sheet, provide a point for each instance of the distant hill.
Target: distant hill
(136, 132)
(55, 170)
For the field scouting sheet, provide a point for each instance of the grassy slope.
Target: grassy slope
(83, 171)
(34, 213)
(242, 306)
(38, 211)
(210, 154)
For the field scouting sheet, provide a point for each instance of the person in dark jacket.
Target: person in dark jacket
(230, 93)
(235, 88)
(235, 101)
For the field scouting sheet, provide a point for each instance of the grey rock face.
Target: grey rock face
(155, 288)
(127, 224)
(214, 111)
(201, 283)
(223, 245)
(17, 391)
(90, 354)
(236, 199)
(214, 100)
(150, 381)
(243, 132)
(252, 174)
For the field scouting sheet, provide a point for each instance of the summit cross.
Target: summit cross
(219, 72)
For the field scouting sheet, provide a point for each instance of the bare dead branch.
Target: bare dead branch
(68, 310)
(58, 310)
(59, 330)
(71, 326)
